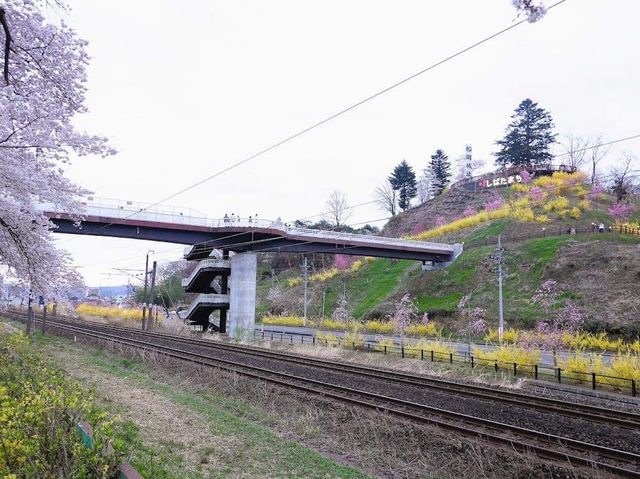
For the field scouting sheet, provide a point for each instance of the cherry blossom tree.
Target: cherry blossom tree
(42, 90)
(534, 10)
(404, 312)
(526, 176)
(620, 212)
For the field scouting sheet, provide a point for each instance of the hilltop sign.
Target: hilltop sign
(500, 181)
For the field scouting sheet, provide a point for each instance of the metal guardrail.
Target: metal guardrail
(537, 371)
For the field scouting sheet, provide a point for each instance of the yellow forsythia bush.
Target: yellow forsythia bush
(283, 320)
(294, 281)
(39, 410)
(352, 339)
(325, 275)
(109, 312)
(385, 343)
(429, 329)
(378, 327)
(507, 355)
(328, 339)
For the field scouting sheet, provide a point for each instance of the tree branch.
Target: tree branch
(7, 44)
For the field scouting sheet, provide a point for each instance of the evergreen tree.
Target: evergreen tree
(528, 137)
(403, 180)
(440, 169)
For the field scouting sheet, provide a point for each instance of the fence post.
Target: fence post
(262, 334)
(402, 350)
(515, 368)
(496, 365)
(451, 358)
(291, 338)
(432, 355)
(385, 349)
(559, 375)
(593, 381)
(271, 335)
(422, 354)
(471, 362)
(535, 371)
(633, 388)
(353, 343)
(314, 340)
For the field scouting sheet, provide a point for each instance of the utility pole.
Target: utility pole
(144, 294)
(153, 285)
(500, 310)
(306, 283)
(29, 312)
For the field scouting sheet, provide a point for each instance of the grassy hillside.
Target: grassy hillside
(599, 272)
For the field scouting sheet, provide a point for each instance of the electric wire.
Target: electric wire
(339, 113)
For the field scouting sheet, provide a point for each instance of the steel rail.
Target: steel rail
(406, 409)
(584, 411)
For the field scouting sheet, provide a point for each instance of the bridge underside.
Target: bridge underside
(238, 239)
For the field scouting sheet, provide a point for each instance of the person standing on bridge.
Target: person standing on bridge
(601, 227)
(226, 218)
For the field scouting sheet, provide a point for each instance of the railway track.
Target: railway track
(592, 413)
(548, 446)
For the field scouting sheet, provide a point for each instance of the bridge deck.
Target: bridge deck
(205, 234)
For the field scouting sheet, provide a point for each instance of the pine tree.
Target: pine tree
(403, 180)
(528, 137)
(440, 171)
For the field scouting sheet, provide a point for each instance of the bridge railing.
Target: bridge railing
(382, 240)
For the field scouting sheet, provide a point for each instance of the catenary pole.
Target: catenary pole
(151, 297)
(144, 294)
(306, 283)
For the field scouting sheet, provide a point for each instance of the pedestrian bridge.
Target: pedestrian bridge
(126, 219)
(226, 248)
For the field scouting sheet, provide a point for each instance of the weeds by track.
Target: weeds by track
(552, 447)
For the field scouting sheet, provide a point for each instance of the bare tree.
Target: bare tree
(575, 150)
(623, 176)
(385, 195)
(595, 154)
(338, 209)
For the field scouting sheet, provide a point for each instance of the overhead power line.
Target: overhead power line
(338, 113)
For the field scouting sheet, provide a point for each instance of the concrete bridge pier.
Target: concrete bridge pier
(242, 297)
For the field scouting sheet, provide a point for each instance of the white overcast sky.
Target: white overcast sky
(184, 89)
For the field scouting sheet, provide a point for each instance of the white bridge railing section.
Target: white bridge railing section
(109, 208)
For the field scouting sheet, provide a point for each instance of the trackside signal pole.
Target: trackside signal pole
(500, 310)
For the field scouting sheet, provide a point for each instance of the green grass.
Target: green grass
(489, 231)
(375, 282)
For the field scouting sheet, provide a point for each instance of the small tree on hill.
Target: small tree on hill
(405, 311)
(528, 138)
(386, 197)
(403, 180)
(440, 169)
(338, 209)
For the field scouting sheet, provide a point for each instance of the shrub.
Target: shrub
(331, 325)
(574, 212)
(378, 327)
(558, 204)
(352, 339)
(294, 281)
(328, 339)
(429, 329)
(507, 355)
(542, 218)
(283, 320)
(584, 205)
(39, 411)
(324, 275)
(382, 343)
(520, 188)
